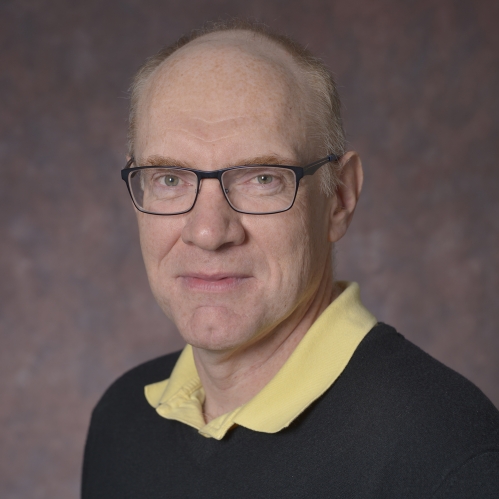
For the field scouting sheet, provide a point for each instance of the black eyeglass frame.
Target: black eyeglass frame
(299, 171)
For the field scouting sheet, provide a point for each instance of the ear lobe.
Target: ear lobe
(346, 195)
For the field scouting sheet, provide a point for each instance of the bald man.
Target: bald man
(288, 386)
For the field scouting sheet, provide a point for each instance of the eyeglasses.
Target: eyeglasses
(250, 189)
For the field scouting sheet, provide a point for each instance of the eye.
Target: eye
(265, 179)
(170, 180)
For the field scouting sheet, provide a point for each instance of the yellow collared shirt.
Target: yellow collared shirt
(311, 369)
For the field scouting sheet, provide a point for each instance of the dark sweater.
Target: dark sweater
(395, 424)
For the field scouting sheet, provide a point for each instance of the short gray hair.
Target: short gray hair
(325, 123)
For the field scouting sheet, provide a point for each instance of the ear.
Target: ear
(346, 195)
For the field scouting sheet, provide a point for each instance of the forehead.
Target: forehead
(218, 86)
(224, 68)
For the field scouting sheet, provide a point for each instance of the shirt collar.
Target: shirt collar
(311, 369)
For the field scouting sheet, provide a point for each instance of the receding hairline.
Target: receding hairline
(251, 42)
(281, 60)
(241, 31)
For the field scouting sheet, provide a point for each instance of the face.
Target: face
(228, 279)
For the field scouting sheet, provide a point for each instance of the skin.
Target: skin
(242, 289)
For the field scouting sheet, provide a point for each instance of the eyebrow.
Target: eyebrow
(271, 159)
(164, 161)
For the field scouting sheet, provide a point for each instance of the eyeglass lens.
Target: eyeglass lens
(168, 191)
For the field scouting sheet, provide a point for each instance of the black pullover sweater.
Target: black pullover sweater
(395, 424)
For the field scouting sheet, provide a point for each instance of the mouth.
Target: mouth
(213, 282)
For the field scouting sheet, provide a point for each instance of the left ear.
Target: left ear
(346, 195)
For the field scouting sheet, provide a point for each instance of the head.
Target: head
(233, 97)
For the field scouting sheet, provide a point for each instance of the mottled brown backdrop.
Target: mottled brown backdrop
(420, 84)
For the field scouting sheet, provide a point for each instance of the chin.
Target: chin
(213, 346)
(217, 333)
(214, 339)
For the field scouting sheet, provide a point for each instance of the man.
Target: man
(288, 386)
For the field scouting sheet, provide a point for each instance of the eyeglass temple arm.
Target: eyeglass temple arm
(313, 167)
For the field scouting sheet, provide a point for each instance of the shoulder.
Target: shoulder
(424, 413)
(401, 367)
(126, 394)
(402, 374)
(121, 421)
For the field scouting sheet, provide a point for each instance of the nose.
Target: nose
(212, 223)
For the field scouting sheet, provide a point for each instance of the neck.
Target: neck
(230, 379)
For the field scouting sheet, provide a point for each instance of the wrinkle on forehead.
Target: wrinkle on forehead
(178, 123)
(204, 129)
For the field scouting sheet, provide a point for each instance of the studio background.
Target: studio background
(420, 86)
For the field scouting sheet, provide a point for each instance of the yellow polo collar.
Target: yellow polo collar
(311, 369)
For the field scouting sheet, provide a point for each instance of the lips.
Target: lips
(218, 282)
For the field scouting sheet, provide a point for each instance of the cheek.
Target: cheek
(283, 241)
(158, 235)
(309, 238)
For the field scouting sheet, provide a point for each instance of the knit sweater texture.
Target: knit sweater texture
(395, 424)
